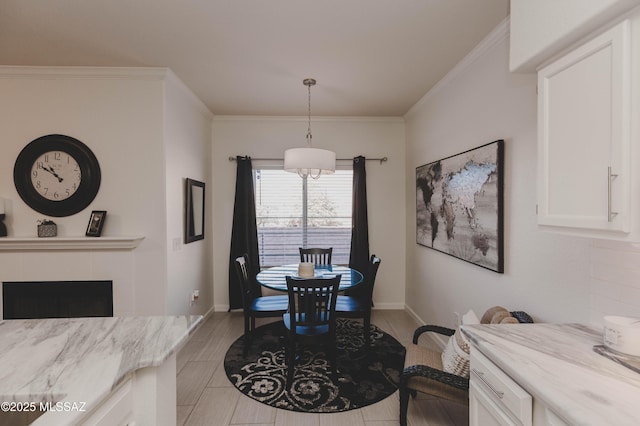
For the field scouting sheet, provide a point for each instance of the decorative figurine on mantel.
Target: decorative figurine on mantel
(47, 228)
(3, 227)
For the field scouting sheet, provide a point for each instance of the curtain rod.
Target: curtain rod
(381, 160)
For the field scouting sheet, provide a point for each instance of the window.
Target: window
(293, 212)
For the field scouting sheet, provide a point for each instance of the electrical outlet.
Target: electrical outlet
(176, 244)
(195, 295)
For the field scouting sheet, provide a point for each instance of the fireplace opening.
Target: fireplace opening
(56, 299)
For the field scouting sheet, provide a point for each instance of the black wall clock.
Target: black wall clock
(57, 175)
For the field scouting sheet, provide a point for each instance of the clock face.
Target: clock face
(56, 175)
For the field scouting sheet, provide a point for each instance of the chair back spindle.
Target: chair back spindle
(312, 302)
(311, 313)
(317, 256)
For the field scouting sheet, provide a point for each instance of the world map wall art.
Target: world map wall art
(459, 205)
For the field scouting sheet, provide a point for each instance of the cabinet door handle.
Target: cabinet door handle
(610, 178)
(480, 375)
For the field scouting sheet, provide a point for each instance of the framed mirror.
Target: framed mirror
(194, 211)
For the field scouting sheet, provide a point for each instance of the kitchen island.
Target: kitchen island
(568, 382)
(72, 371)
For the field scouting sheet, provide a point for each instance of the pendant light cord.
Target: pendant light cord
(309, 82)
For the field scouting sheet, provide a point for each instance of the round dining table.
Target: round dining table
(275, 277)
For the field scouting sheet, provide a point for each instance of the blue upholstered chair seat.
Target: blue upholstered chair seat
(305, 330)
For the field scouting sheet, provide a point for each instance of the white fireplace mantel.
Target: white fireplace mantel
(69, 243)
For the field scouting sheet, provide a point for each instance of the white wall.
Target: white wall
(555, 278)
(268, 137)
(119, 113)
(546, 275)
(187, 155)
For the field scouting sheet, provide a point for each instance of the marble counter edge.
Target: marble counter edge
(514, 363)
(160, 357)
(498, 358)
(75, 391)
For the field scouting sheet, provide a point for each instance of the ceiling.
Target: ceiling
(249, 57)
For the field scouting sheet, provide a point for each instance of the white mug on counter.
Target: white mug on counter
(306, 269)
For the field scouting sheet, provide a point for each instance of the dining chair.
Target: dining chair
(424, 372)
(311, 314)
(256, 307)
(318, 256)
(359, 305)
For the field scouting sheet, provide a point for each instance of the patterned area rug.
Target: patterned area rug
(364, 376)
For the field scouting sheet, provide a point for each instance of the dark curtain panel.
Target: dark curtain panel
(244, 234)
(359, 256)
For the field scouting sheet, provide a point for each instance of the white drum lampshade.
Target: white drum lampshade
(311, 162)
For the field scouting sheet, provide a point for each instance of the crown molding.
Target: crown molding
(499, 33)
(345, 119)
(159, 74)
(26, 72)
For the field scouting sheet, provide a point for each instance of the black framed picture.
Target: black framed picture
(459, 205)
(194, 211)
(96, 222)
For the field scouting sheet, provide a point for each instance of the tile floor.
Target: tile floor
(206, 397)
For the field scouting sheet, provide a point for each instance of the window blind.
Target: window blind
(292, 212)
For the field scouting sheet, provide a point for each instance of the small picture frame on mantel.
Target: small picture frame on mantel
(96, 222)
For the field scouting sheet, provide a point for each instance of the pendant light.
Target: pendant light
(309, 161)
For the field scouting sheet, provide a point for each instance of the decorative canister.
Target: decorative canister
(306, 270)
(47, 228)
(622, 334)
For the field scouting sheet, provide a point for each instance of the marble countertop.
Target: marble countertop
(556, 364)
(82, 359)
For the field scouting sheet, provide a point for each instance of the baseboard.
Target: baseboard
(440, 340)
(207, 314)
(220, 308)
(388, 306)
(413, 315)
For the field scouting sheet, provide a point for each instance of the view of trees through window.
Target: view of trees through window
(293, 212)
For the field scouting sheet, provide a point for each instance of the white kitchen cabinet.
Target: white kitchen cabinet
(494, 398)
(497, 400)
(584, 137)
(483, 411)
